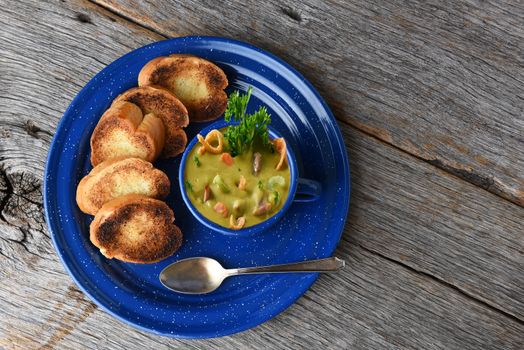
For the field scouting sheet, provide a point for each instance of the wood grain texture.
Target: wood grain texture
(431, 258)
(431, 221)
(441, 80)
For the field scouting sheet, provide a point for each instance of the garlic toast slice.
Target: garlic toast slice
(198, 83)
(123, 131)
(165, 106)
(135, 228)
(117, 177)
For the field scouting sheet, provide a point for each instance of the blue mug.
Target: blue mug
(300, 190)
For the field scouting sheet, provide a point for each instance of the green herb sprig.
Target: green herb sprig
(250, 127)
(189, 186)
(196, 160)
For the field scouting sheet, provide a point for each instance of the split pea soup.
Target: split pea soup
(241, 191)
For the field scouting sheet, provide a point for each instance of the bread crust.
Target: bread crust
(137, 229)
(198, 83)
(120, 176)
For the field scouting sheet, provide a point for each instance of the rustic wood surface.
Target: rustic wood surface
(429, 99)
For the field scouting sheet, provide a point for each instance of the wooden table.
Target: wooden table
(429, 97)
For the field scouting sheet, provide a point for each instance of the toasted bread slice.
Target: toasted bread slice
(135, 228)
(198, 83)
(165, 106)
(123, 131)
(117, 177)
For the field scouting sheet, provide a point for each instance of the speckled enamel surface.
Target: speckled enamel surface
(133, 292)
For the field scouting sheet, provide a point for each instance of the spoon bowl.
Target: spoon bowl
(203, 275)
(193, 275)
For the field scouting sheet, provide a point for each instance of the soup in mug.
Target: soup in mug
(241, 191)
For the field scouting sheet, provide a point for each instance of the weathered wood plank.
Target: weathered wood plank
(374, 303)
(442, 80)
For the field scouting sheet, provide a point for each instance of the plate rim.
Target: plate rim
(51, 158)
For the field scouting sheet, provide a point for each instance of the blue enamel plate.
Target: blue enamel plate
(132, 292)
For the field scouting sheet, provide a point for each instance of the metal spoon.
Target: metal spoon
(204, 275)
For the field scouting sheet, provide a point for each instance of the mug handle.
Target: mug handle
(307, 191)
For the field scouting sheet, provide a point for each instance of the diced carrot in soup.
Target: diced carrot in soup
(226, 158)
(221, 209)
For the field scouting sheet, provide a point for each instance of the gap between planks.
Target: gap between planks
(349, 124)
(447, 284)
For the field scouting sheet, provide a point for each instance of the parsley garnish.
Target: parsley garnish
(277, 197)
(189, 186)
(260, 185)
(196, 160)
(250, 127)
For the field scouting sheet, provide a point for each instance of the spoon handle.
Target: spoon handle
(321, 265)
